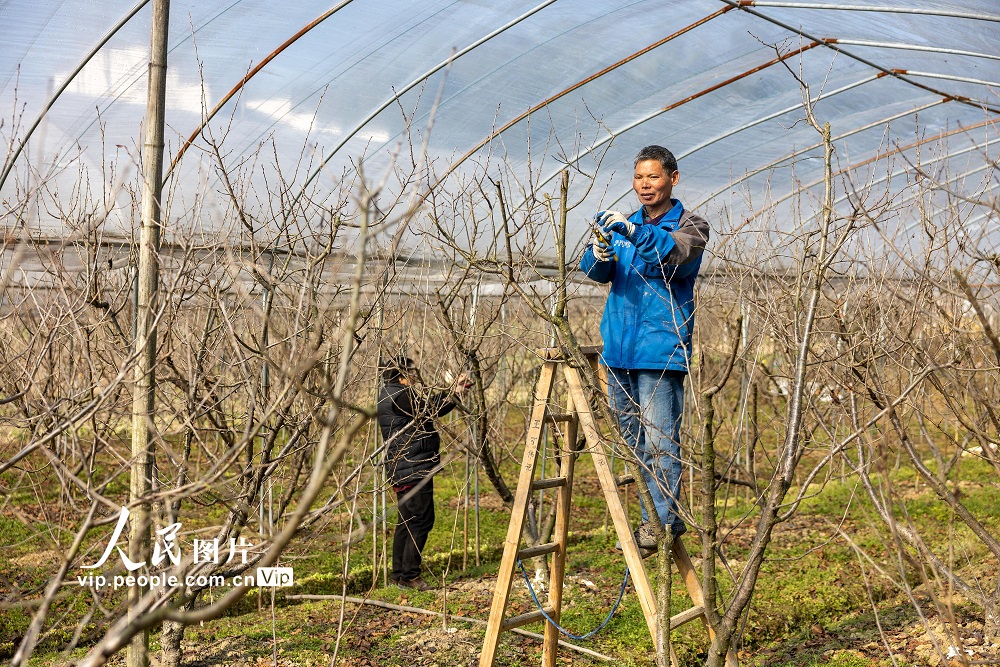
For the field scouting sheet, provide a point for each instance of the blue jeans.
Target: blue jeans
(648, 405)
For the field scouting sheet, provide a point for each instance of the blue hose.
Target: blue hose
(560, 628)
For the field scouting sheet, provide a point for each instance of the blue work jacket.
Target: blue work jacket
(649, 315)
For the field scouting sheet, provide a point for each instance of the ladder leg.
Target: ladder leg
(560, 535)
(580, 416)
(508, 563)
(643, 589)
(686, 569)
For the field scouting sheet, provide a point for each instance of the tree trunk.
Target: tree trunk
(172, 633)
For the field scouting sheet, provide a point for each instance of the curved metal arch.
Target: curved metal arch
(243, 82)
(410, 86)
(747, 6)
(990, 186)
(94, 51)
(772, 116)
(645, 119)
(953, 179)
(557, 96)
(904, 46)
(985, 214)
(12, 158)
(888, 177)
(729, 4)
(829, 43)
(949, 77)
(857, 165)
(795, 154)
(882, 9)
(579, 84)
(749, 175)
(275, 119)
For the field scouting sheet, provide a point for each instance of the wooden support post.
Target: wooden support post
(144, 336)
(511, 545)
(563, 500)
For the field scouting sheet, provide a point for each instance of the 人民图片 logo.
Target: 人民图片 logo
(166, 548)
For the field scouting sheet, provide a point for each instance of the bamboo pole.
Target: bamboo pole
(137, 654)
(475, 436)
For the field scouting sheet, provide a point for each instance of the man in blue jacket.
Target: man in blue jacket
(651, 258)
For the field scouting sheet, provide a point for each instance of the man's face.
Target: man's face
(653, 185)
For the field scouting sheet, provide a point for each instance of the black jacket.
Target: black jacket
(407, 423)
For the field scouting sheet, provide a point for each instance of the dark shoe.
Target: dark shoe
(645, 539)
(416, 584)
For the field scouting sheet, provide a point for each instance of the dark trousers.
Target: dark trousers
(416, 518)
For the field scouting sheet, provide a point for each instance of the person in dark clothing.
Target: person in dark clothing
(412, 444)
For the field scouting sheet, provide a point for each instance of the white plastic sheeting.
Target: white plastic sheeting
(537, 83)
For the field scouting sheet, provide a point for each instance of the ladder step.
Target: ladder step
(525, 619)
(550, 483)
(685, 616)
(554, 417)
(540, 550)
(626, 479)
(557, 353)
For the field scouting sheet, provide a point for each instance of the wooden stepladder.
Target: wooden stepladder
(578, 415)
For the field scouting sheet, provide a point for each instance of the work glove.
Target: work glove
(613, 221)
(602, 251)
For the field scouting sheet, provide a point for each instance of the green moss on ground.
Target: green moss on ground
(812, 605)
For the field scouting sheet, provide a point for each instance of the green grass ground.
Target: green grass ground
(813, 604)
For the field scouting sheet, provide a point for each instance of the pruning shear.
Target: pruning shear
(604, 238)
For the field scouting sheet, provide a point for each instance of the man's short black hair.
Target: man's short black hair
(396, 367)
(660, 154)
